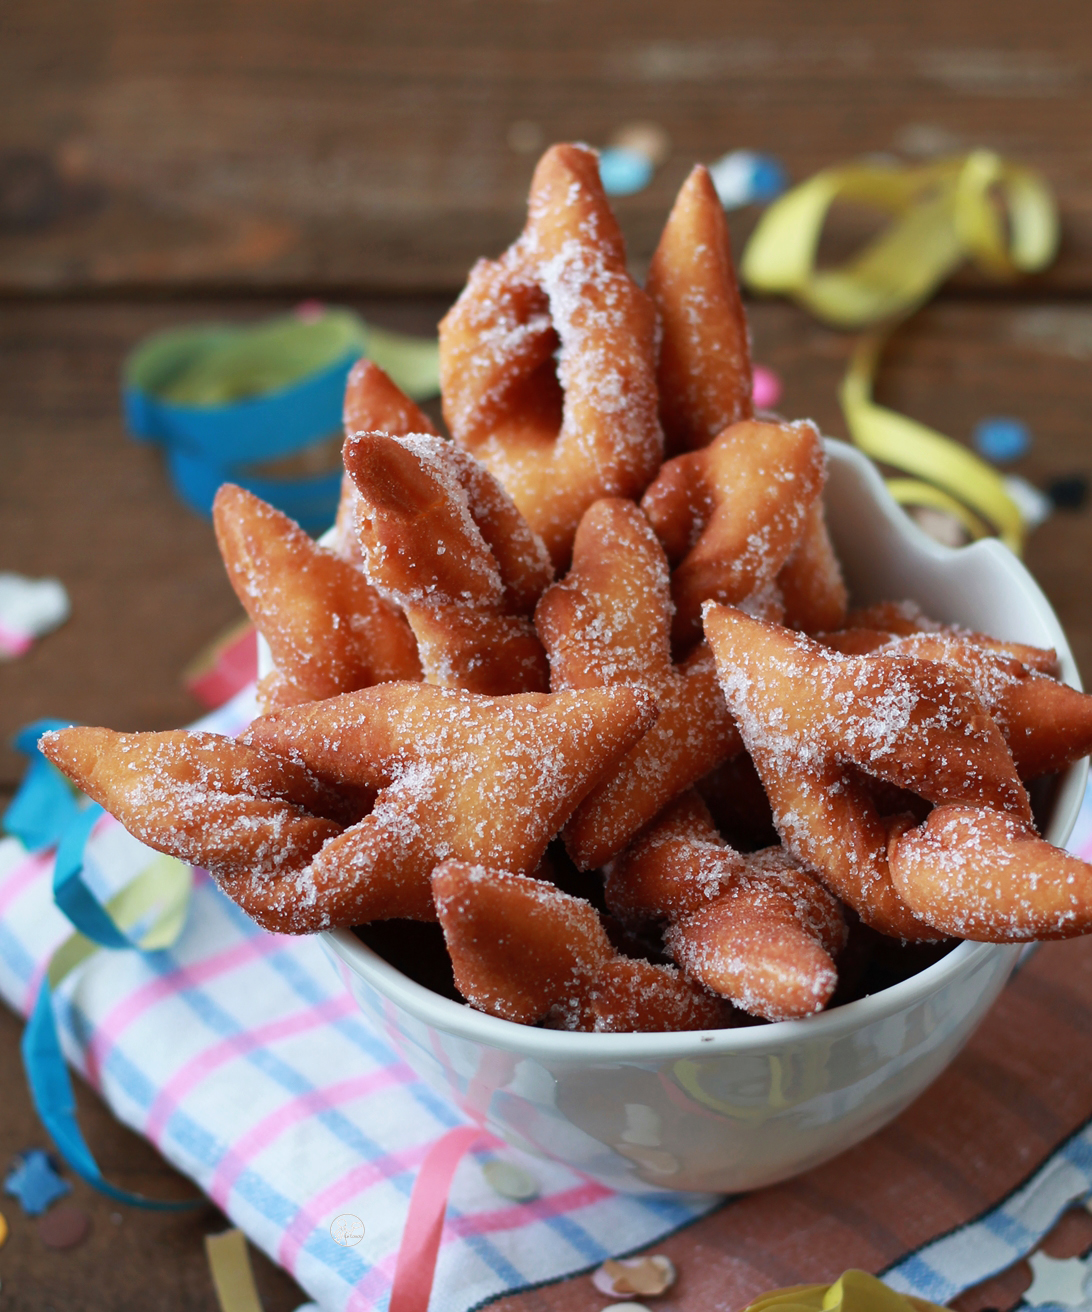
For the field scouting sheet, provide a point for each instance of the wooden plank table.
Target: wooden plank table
(160, 165)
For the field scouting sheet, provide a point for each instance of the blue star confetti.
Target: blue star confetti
(34, 1182)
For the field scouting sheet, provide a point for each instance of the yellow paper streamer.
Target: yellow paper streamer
(161, 891)
(853, 1291)
(232, 1274)
(940, 215)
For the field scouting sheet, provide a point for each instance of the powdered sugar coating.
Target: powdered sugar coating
(548, 358)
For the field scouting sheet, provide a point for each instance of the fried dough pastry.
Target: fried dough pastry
(905, 618)
(756, 929)
(525, 951)
(328, 629)
(731, 514)
(548, 358)
(607, 624)
(979, 874)
(237, 810)
(806, 714)
(704, 374)
(373, 404)
(1047, 724)
(481, 779)
(813, 592)
(427, 515)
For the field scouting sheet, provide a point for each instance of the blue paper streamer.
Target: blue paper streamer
(55, 1103)
(45, 813)
(45, 803)
(207, 445)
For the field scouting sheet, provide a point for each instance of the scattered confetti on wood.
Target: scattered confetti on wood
(635, 1275)
(1055, 1280)
(35, 1182)
(510, 1181)
(64, 1227)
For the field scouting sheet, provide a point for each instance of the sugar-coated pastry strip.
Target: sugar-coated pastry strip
(237, 810)
(607, 623)
(559, 435)
(704, 372)
(813, 592)
(756, 929)
(804, 716)
(916, 723)
(1047, 724)
(983, 875)
(328, 629)
(731, 514)
(905, 618)
(483, 779)
(525, 951)
(420, 500)
(373, 404)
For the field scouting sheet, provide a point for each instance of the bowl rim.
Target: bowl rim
(460, 1020)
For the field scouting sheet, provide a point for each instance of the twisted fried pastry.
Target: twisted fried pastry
(704, 373)
(980, 874)
(1047, 724)
(427, 515)
(557, 436)
(241, 811)
(756, 929)
(525, 951)
(483, 779)
(328, 630)
(607, 624)
(373, 404)
(731, 514)
(806, 713)
(905, 618)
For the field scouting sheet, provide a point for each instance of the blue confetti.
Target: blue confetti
(744, 177)
(624, 171)
(35, 1183)
(1001, 440)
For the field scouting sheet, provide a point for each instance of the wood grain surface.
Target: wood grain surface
(320, 144)
(163, 163)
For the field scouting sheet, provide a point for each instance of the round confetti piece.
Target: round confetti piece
(635, 1275)
(623, 171)
(3, 1229)
(1001, 440)
(647, 139)
(1068, 493)
(510, 1181)
(766, 388)
(64, 1227)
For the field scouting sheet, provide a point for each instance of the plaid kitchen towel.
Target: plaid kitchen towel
(242, 1057)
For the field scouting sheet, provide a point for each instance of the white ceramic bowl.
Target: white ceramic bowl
(729, 1110)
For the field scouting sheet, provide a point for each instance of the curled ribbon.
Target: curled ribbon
(148, 914)
(979, 207)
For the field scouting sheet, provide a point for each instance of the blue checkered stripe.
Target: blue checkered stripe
(965, 1257)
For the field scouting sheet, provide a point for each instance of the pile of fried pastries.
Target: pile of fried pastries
(598, 639)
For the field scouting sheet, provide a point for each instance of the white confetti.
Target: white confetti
(1055, 1280)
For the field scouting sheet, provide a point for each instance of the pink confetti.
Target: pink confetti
(766, 388)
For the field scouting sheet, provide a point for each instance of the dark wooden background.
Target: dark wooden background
(166, 163)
